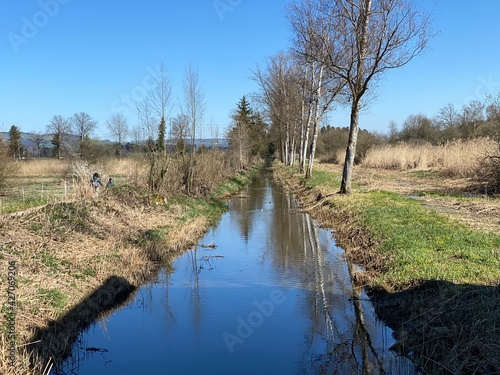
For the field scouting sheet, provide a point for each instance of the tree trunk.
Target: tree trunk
(317, 119)
(357, 93)
(287, 144)
(345, 188)
(302, 136)
(293, 145)
(312, 150)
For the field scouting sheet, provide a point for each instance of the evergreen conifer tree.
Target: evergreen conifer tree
(15, 148)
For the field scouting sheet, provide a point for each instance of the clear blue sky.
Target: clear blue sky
(67, 56)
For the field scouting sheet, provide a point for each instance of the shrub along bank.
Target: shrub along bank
(434, 280)
(75, 261)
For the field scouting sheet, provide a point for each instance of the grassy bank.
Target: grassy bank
(76, 260)
(434, 279)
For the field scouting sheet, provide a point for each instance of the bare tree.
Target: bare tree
(194, 109)
(147, 121)
(214, 133)
(280, 86)
(137, 135)
(83, 126)
(358, 41)
(161, 93)
(37, 138)
(180, 131)
(118, 127)
(473, 114)
(59, 127)
(321, 87)
(152, 112)
(448, 116)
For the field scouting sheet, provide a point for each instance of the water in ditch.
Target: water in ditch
(266, 292)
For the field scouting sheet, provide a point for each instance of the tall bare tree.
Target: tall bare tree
(148, 123)
(83, 126)
(137, 135)
(59, 127)
(194, 108)
(118, 128)
(358, 41)
(161, 93)
(152, 112)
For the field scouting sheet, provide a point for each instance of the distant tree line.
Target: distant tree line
(477, 119)
(69, 137)
(474, 120)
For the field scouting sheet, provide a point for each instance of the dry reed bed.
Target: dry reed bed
(457, 158)
(65, 251)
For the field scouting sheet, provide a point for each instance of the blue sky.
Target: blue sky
(67, 56)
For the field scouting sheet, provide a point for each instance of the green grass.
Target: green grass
(54, 297)
(235, 183)
(194, 207)
(323, 180)
(31, 191)
(425, 245)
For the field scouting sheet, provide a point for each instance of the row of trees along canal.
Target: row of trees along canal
(339, 49)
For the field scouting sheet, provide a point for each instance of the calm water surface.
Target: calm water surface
(273, 297)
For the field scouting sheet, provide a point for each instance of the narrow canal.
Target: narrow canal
(266, 292)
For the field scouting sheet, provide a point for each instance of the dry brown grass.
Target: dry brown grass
(42, 167)
(125, 167)
(457, 158)
(130, 167)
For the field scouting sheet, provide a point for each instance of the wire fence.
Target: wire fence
(26, 195)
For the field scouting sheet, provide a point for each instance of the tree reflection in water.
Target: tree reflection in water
(340, 337)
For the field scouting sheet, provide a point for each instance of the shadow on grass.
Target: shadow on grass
(445, 328)
(55, 342)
